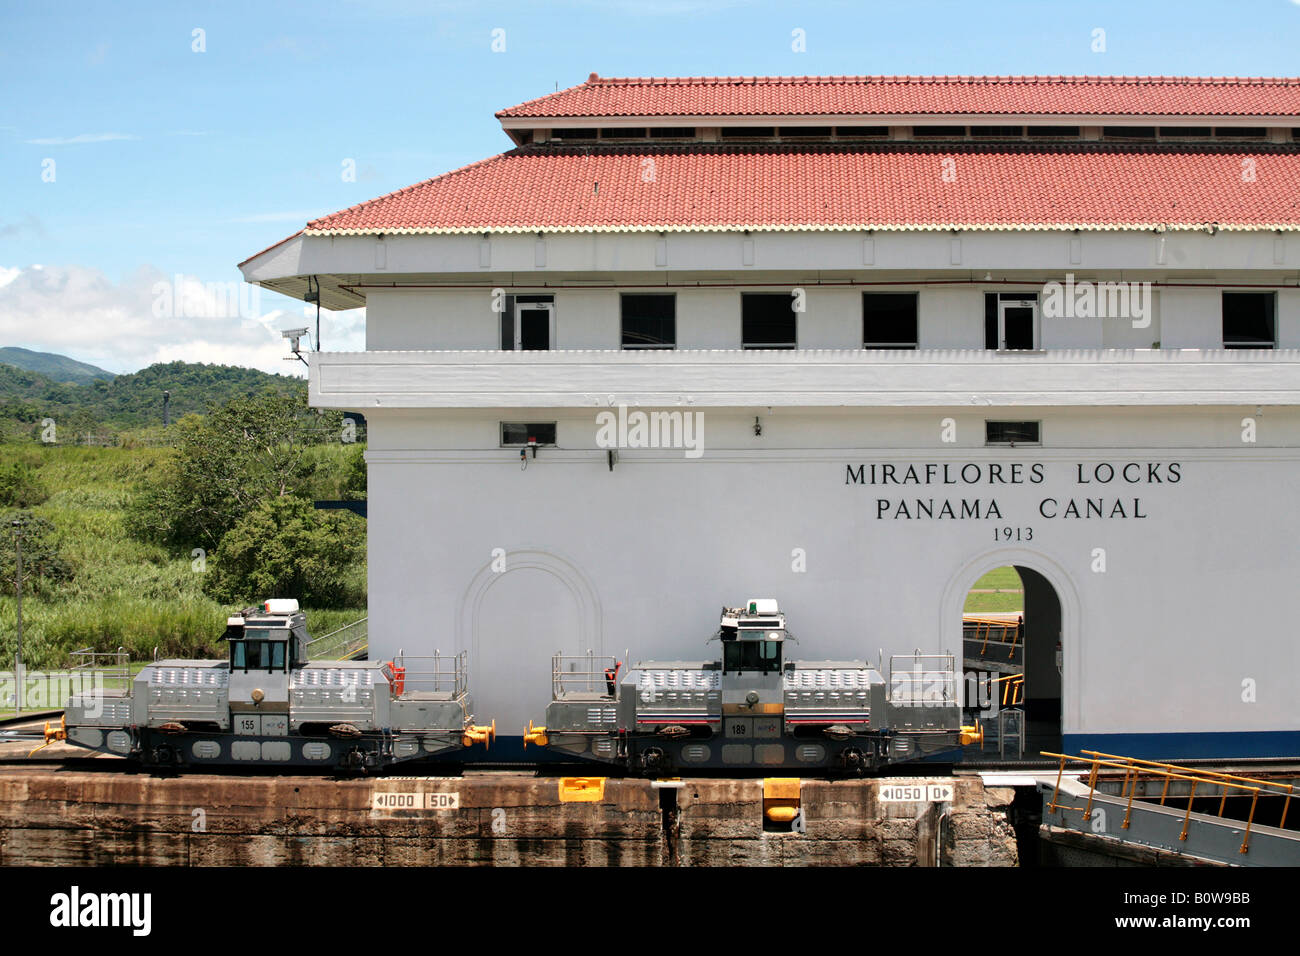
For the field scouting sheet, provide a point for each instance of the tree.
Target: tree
(354, 476)
(44, 568)
(240, 456)
(19, 487)
(286, 548)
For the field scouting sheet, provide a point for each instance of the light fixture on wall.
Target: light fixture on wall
(758, 427)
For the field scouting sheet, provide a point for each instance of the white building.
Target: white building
(906, 330)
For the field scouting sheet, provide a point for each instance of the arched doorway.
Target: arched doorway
(518, 611)
(1015, 615)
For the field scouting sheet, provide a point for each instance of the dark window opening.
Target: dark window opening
(535, 324)
(672, 132)
(575, 133)
(521, 433)
(997, 132)
(1052, 132)
(861, 131)
(889, 320)
(748, 132)
(761, 656)
(1249, 320)
(950, 132)
(1013, 324)
(1129, 132)
(649, 321)
(805, 132)
(768, 320)
(1012, 433)
(1240, 132)
(1185, 132)
(636, 132)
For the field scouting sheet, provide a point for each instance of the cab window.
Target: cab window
(752, 656)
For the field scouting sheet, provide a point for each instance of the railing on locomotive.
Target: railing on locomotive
(110, 668)
(580, 674)
(439, 673)
(926, 679)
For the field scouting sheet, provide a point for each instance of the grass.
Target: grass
(1010, 599)
(124, 593)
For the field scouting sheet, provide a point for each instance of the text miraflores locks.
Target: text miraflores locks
(1092, 478)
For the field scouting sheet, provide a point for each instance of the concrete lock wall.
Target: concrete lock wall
(1174, 595)
(70, 818)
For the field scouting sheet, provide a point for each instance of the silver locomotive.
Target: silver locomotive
(268, 705)
(753, 709)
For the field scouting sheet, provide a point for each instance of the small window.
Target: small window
(636, 132)
(748, 132)
(1052, 132)
(672, 132)
(1240, 132)
(1249, 320)
(861, 132)
(1128, 132)
(997, 132)
(889, 320)
(805, 132)
(935, 132)
(514, 434)
(575, 133)
(1184, 132)
(768, 321)
(1012, 433)
(649, 321)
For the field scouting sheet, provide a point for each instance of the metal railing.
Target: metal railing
(109, 668)
(338, 645)
(440, 673)
(581, 674)
(985, 629)
(926, 680)
(1133, 768)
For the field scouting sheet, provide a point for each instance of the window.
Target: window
(748, 132)
(1012, 433)
(1011, 320)
(1249, 320)
(997, 132)
(1128, 132)
(573, 133)
(767, 320)
(649, 321)
(672, 132)
(528, 323)
(889, 320)
(805, 132)
(1184, 132)
(1240, 132)
(858, 132)
(1052, 132)
(515, 434)
(751, 655)
(934, 132)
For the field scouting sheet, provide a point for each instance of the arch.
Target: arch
(566, 571)
(964, 578)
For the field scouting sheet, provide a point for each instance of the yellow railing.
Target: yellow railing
(985, 628)
(1133, 768)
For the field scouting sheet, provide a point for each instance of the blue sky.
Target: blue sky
(168, 161)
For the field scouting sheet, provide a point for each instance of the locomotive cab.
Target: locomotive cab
(265, 646)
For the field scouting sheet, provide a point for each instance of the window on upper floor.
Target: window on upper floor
(768, 321)
(889, 320)
(1249, 320)
(1011, 321)
(649, 320)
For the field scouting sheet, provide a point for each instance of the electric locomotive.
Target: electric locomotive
(268, 705)
(753, 709)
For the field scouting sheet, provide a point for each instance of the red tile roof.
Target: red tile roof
(573, 189)
(904, 95)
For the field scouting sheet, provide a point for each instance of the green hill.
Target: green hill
(59, 368)
(126, 401)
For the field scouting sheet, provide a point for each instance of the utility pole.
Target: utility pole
(18, 656)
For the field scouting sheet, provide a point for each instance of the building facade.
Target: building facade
(850, 343)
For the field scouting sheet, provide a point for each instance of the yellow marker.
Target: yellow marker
(781, 798)
(582, 789)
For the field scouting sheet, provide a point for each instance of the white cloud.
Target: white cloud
(79, 139)
(150, 317)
